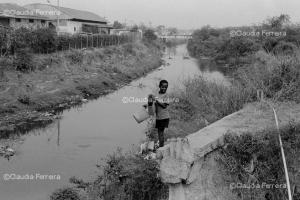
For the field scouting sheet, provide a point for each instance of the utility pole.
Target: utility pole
(57, 26)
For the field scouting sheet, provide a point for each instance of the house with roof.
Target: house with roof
(15, 16)
(72, 21)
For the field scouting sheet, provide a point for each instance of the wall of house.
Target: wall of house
(37, 23)
(70, 27)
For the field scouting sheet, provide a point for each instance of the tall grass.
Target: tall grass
(261, 154)
(277, 75)
(213, 100)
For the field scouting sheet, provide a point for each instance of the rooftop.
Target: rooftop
(69, 13)
(16, 11)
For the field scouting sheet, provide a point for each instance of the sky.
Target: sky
(183, 14)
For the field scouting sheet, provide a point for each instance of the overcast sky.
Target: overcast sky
(187, 14)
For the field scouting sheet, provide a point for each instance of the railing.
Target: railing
(39, 44)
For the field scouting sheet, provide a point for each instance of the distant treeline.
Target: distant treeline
(46, 40)
(236, 45)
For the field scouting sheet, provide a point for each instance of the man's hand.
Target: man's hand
(151, 99)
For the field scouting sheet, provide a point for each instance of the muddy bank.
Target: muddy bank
(64, 80)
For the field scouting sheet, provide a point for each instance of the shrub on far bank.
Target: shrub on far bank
(214, 100)
(278, 76)
(149, 35)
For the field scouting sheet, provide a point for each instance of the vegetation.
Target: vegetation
(149, 35)
(256, 159)
(65, 194)
(123, 176)
(46, 40)
(226, 46)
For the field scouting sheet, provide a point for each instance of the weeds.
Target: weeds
(213, 100)
(256, 159)
(65, 194)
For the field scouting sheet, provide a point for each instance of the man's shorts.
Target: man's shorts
(162, 123)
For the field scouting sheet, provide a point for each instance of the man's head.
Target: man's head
(163, 86)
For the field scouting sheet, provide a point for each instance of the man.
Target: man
(161, 103)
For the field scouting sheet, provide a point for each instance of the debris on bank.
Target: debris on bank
(6, 151)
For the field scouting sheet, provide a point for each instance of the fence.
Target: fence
(94, 41)
(45, 41)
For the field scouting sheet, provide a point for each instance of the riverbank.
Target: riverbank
(70, 78)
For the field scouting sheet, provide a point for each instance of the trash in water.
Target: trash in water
(150, 156)
(6, 151)
(147, 146)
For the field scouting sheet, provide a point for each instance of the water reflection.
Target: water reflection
(208, 65)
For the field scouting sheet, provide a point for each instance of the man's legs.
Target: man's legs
(161, 138)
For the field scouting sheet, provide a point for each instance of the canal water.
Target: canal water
(74, 145)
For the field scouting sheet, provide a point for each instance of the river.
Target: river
(74, 145)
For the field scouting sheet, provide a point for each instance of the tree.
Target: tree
(118, 25)
(160, 29)
(172, 31)
(135, 28)
(278, 21)
(149, 35)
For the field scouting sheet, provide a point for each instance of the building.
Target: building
(72, 21)
(14, 16)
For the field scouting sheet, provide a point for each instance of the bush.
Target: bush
(256, 159)
(21, 38)
(149, 35)
(44, 40)
(277, 76)
(132, 177)
(214, 100)
(24, 60)
(75, 56)
(129, 49)
(65, 194)
(283, 47)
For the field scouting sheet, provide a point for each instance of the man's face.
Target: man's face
(163, 88)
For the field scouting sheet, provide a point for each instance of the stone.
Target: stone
(173, 170)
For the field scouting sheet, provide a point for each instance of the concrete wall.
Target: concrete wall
(71, 27)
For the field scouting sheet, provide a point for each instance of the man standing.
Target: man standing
(161, 103)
